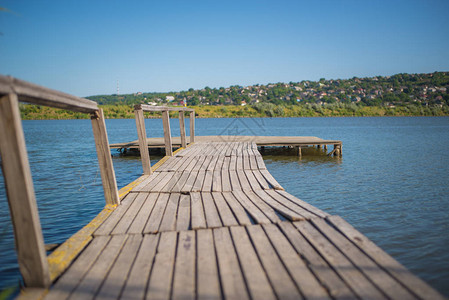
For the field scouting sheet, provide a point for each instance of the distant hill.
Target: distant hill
(388, 91)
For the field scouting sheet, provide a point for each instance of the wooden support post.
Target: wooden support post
(299, 151)
(167, 133)
(337, 150)
(318, 146)
(182, 127)
(104, 158)
(192, 127)
(325, 147)
(143, 146)
(29, 240)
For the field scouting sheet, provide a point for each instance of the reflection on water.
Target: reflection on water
(392, 182)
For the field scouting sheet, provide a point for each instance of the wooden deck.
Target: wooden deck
(259, 140)
(212, 223)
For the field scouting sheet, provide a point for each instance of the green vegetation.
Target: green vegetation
(398, 95)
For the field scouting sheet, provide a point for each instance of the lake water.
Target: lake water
(392, 182)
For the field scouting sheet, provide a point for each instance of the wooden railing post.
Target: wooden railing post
(167, 133)
(143, 146)
(104, 158)
(182, 127)
(192, 126)
(29, 240)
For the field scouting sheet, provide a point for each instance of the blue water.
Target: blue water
(392, 182)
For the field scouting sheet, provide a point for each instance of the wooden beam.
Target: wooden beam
(167, 133)
(29, 240)
(35, 94)
(192, 127)
(104, 159)
(143, 145)
(182, 127)
(146, 107)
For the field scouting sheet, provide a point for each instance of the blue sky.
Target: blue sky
(85, 47)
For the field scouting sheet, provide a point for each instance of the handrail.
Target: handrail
(35, 94)
(141, 132)
(28, 235)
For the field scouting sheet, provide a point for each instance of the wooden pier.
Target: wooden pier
(208, 221)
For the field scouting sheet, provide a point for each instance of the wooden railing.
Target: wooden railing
(141, 132)
(29, 240)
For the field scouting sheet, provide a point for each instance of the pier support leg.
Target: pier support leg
(299, 151)
(192, 127)
(167, 133)
(28, 236)
(143, 146)
(182, 127)
(104, 159)
(337, 150)
(325, 147)
(318, 146)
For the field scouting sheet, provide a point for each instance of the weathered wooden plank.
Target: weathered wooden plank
(234, 180)
(273, 182)
(168, 222)
(161, 184)
(336, 287)
(220, 162)
(108, 225)
(141, 219)
(264, 207)
(260, 163)
(183, 220)
(226, 181)
(182, 127)
(413, 283)
(156, 215)
(28, 236)
(125, 221)
(237, 209)
(216, 182)
(213, 162)
(225, 212)
(104, 158)
(143, 146)
(253, 162)
(207, 185)
(158, 177)
(258, 285)
(160, 283)
(285, 211)
(262, 181)
(143, 183)
(296, 266)
(116, 278)
(233, 284)
(282, 283)
(175, 180)
(185, 270)
(200, 161)
(210, 211)
(167, 133)
(252, 180)
(387, 284)
(198, 218)
(188, 186)
(249, 206)
(232, 163)
(138, 277)
(206, 163)
(355, 279)
(305, 214)
(239, 162)
(95, 276)
(303, 204)
(73, 276)
(208, 285)
(244, 183)
(179, 185)
(246, 162)
(199, 181)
